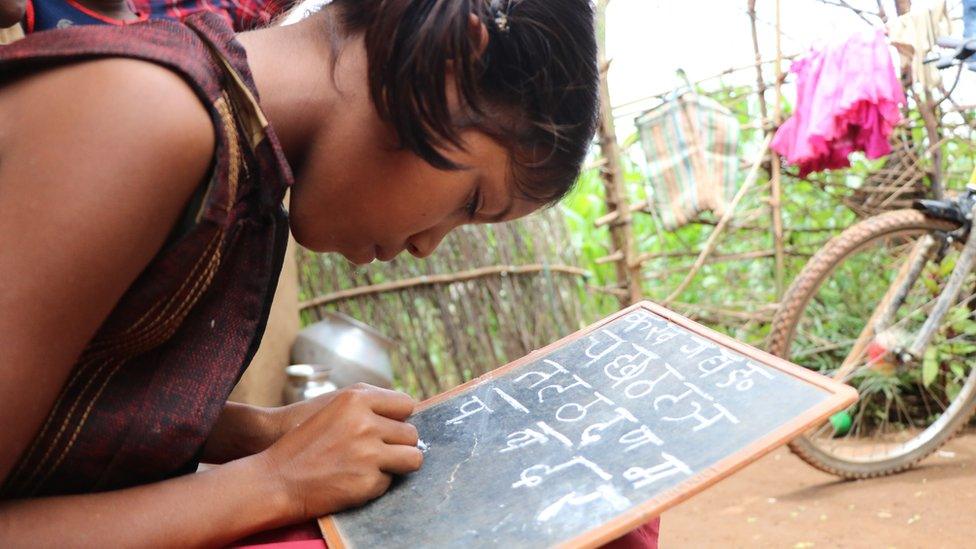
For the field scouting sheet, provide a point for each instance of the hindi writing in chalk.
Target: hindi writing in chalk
(626, 358)
(585, 432)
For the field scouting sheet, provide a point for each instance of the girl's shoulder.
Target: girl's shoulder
(187, 49)
(126, 108)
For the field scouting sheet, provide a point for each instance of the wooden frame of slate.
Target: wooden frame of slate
(582, 441)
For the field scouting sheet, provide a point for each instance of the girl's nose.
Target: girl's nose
(423, 244)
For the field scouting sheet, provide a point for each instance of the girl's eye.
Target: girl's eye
(472, 206)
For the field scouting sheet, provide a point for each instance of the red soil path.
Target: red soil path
(780, 501)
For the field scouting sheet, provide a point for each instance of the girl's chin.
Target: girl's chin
(362, 257)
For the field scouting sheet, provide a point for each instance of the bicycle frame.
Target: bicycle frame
(964, 265)
(907, 277)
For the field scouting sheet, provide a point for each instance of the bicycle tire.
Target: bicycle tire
(798, 297)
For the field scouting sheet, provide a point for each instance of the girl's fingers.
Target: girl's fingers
(398, 432)
(387, 403)
(399, 459)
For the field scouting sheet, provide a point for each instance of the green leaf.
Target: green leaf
(948, 264)
(931, 285)
(930, 366)
(957, 369)
(953, 389)
(958, 315)
(963, 348)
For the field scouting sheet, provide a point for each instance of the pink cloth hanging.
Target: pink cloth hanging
(848, 99)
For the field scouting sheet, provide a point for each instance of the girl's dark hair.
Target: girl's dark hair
(535, 87)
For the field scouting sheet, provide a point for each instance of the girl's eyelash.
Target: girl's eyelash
(472, 206)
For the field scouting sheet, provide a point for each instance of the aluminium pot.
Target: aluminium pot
(351, 351)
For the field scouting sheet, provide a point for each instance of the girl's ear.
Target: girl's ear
(479, 34)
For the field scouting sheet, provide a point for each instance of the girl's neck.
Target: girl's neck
(292, 68)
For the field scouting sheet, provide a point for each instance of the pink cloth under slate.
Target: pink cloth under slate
(848, 99)
(306, 536)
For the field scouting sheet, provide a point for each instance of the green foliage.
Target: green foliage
(930, 366)
(745, 285)
(814, 209)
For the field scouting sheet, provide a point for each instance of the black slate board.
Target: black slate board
(586, 439)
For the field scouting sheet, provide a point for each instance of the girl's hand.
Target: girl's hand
(283, 419)
(342, 449)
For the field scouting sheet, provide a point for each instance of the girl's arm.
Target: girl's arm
(243, 430)
(340, 457)
(214, 507)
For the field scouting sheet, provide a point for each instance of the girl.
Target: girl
(140, 246)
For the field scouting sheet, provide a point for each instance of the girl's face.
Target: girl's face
(358, 196)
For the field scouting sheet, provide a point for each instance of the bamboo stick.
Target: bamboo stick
(742, 256)
(729, 258)
(429, 280)
(661, 95)
(622, 233)
(776, 190)
(859, 12)
(929, 112)
(752, 227)
(719, 317)
(774, 165)
(698, 310)
(760, 79)
(713, 239)
(614, 215)
(615, 256)
(617, 292)
(598, 163)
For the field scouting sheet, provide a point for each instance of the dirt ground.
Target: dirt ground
(780, 501)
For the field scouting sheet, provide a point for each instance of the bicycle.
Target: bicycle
(897, 294)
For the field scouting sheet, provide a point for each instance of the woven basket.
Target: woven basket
(895, 186)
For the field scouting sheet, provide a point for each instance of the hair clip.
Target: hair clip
(501, 15)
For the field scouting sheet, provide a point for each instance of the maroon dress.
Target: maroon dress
(146, 391)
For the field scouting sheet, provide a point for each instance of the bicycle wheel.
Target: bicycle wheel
(906, 410)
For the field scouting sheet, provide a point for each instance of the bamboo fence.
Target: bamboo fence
(488, 295)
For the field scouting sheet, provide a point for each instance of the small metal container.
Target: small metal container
(306, 382)
(348, 350)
